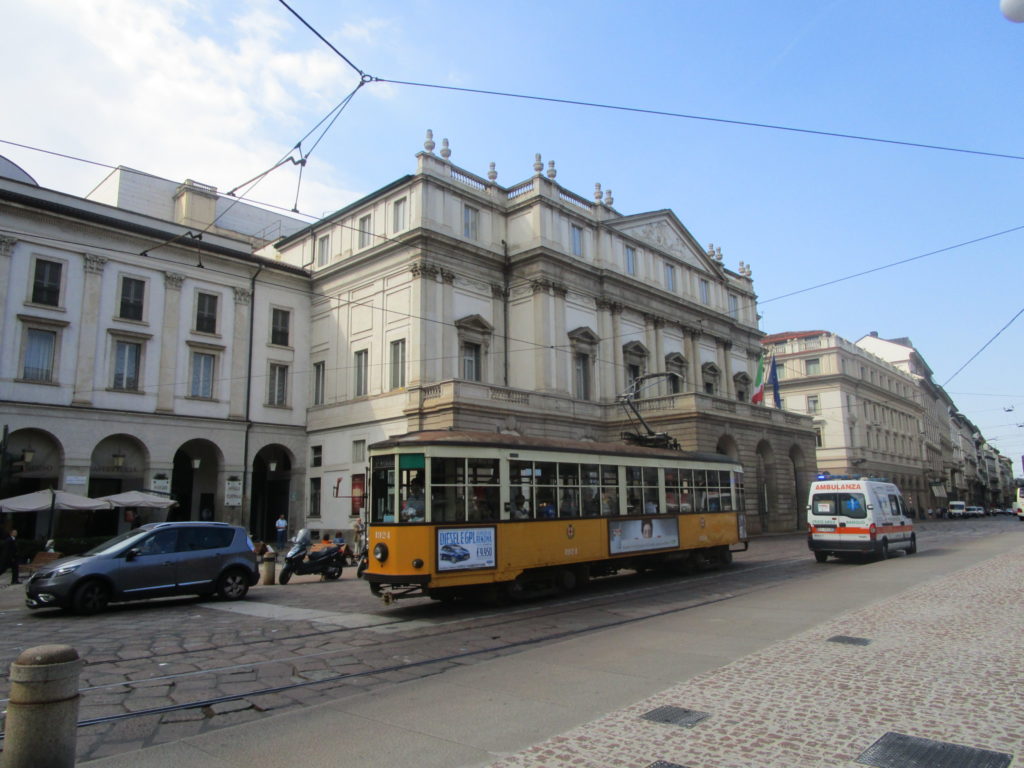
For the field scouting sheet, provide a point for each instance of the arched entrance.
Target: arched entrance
(271, 490)
(197, 466)
(32, 461)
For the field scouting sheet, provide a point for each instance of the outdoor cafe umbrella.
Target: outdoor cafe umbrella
(142, 500)
(51, 501)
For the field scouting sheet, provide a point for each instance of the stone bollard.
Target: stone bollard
(267, 568)
(42, 711)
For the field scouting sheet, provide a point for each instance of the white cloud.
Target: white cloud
(167, 88)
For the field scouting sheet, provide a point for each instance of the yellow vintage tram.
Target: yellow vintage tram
(458, 513)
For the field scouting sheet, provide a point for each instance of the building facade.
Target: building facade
(139, 352)
(447, 300)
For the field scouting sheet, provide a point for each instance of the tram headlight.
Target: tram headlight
(417, 563)
(380, 552)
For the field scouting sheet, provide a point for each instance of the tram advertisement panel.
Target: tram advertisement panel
(460, 549)
(638, 535)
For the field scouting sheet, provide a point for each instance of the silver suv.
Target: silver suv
(155, 560)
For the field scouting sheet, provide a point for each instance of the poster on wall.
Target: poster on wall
(639, 535)
(233, 492)
(460, 549)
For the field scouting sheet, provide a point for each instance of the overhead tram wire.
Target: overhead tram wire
(365, 78)
(703, 118)
(983, 346)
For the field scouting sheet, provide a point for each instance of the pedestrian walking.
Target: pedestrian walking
(9, 555)
(282, 530)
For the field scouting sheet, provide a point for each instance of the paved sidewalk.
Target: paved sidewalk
(941, 662)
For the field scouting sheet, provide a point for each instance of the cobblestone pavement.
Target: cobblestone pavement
(942, 662)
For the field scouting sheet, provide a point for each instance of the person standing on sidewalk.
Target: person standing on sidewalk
(282, 530)
(9, 555)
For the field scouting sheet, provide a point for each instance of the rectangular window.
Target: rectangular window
(705, 292)
(813, 366)
(280, 320)
(364, 231)
(362, 372)
(813, 404)
(127, 358)
(577, 240)
(133, 293)
(470, 222)
(277, 387)
(471, 361)
(319, 382)
(358, 451)
(46, 283)
(398, 364)
(206, 313)
(630, 260)
(398, 215)
(316, 455)
(323, 251)
(817, 437)
(734, 306)
(581, 372)
(40, 347)
(202, 375)
(670, 277)
(314, 496)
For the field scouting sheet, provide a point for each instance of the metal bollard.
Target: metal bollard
(267, 570)
(42, 711)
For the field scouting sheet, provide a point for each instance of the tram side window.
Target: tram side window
(410, 489)
(485, 489)
(590, 489)
(447, 490)
(568, 490)
(545, 487)
(382, 493)
(642, 491)
(672, 490)
(521, 489)
(609, 490)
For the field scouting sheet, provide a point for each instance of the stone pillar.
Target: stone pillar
(729, 390)
(619, 367)
(42, 711)
(169, 342)
(543, 310)
(692, 350)
(451, 355)
(240, 353)
(6, 252)
(85, 365)
(561, 361)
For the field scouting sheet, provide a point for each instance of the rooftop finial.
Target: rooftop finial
(445, 151)
(711, 250)
(598, 194)
(429, 143)
(551, 170)
(608, 199)
(492, 174)
(538, 165)
(718, 253)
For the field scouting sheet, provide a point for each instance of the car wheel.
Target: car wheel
(913, 545)
(821, 557)
(91, 597)
(286, 575)
(233, 584)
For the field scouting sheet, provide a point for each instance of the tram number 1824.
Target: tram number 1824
(455, 514)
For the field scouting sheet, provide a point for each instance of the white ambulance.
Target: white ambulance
(847, 516)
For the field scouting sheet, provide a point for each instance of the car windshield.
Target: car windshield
(839, 504)
(111, 545)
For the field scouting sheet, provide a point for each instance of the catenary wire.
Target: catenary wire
(984, 346)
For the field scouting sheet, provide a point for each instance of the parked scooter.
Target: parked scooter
(299, 560)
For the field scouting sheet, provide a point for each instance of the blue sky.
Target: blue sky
(218, 92)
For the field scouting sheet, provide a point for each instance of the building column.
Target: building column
(561, 362)
(692, 363)
(450, 353)
(85, 366)
(240, 373)
(730, 385)
(543, 310)
(169, 341)
(6, 252)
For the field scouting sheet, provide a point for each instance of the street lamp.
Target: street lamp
(118, 460)
(1012, 9)
(27, 455)
(272, 466)
(196, 463)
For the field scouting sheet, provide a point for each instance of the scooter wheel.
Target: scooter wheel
(286, 574)
(332, 574)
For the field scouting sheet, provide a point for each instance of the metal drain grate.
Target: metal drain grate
(663, 764)
(849, 640)
(675, 716)
(897, 750)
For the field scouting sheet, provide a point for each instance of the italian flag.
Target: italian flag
(758, 396)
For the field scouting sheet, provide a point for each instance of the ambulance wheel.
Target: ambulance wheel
(912, 550)
(821, 557)
(884, 553)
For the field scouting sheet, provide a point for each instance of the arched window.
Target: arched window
(474, 341)
(634, 359)
(584, 352)
(710, 378)
(676, 364)
(741, 384)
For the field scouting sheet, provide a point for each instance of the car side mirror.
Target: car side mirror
(131, 554)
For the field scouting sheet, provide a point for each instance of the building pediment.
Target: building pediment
(663, 231)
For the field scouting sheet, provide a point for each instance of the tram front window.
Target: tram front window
(414, 504)
(382, 495)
